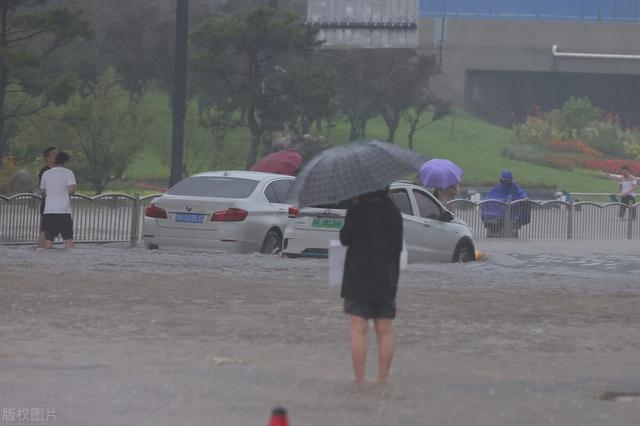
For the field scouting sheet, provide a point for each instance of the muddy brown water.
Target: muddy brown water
(107, 335)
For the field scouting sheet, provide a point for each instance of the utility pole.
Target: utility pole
(179, 92)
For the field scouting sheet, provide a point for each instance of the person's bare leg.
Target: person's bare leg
(48, 244)
(359, 327)
(385, 347)
(68, 244)
(41, 238)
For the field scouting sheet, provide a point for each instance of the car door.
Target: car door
(439, 237)
(276, 192)
(412, 226)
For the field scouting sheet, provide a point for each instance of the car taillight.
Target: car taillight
(230, 215)
(293, 212)
(154, 211)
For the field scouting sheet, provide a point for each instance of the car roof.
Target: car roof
(404, 183)
(243, 174)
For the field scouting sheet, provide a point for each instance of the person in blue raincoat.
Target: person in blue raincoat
(507, 190)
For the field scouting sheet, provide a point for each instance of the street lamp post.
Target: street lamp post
(179, 92)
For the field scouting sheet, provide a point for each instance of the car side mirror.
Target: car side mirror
(446, 216)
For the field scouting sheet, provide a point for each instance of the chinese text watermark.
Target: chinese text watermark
(29, 415)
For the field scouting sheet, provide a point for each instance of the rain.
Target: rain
(215, 149)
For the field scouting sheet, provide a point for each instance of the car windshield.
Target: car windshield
(214, 186)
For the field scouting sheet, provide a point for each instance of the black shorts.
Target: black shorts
(54, 224)
(370, 310)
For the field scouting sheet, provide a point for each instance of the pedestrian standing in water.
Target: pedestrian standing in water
(627, 184)
(49, 155)
(57, 185)
(372, 232)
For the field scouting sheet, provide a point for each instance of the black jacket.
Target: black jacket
(372, 232)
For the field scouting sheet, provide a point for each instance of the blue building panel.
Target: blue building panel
(575, 10)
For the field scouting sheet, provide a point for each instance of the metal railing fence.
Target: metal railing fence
(550, 220)
(103, 218)
(118, 218)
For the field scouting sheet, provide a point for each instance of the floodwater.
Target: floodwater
(541, 333)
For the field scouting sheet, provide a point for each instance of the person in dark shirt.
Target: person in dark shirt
(49, 155)
(372, 232)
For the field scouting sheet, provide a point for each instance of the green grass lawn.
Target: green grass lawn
(473, 144)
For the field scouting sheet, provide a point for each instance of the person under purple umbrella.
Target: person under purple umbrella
(444, 177)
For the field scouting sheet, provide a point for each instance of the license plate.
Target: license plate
(189, 217)
(327, 223)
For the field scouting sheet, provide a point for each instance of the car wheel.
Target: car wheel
(464, 252)
(272, 243)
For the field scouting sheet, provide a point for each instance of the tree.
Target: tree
(427, 104)
(309, 89)
(403, 75)
(29, 35)
(105, 129)
(241, 49)
(357, 95)
(137, 42)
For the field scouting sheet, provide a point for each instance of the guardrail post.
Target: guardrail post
(135, 220)
(630, 213)
(507, 219)
(570, 221)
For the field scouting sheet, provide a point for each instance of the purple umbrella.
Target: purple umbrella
(439, 173)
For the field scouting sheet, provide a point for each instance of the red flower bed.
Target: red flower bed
(614, 165)
(573, 145)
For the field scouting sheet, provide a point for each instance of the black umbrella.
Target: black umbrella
(346, 171)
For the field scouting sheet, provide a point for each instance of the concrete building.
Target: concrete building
(499, 60)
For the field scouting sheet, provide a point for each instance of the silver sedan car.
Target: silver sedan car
(431, 232)
(232, 211)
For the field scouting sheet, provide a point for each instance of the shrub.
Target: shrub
(632, 150)
(614, 165)
(573, 145)
(607, 137)
(576, 114)
(561, 162)
(528, 153)
(534, 132)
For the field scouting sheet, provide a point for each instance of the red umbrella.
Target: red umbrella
(281, 162)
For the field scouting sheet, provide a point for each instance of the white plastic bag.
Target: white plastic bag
(337, 254)
(404, 257)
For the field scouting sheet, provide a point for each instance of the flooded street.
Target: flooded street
(106, 335)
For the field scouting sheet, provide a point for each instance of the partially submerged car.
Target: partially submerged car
(431, 232)
(233, 211)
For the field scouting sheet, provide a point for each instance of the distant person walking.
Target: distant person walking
(627, 184)
(57, 184)
(49, 155)
(372, 232)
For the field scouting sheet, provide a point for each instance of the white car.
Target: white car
(431, 232)
(232, 211)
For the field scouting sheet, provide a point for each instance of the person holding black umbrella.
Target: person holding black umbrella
(372, 232)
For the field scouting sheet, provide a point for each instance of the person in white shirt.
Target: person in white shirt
(57, 184)
(627, 184)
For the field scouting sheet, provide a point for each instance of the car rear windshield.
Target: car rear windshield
(214, 186)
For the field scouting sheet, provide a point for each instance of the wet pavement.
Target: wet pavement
(541, 333)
